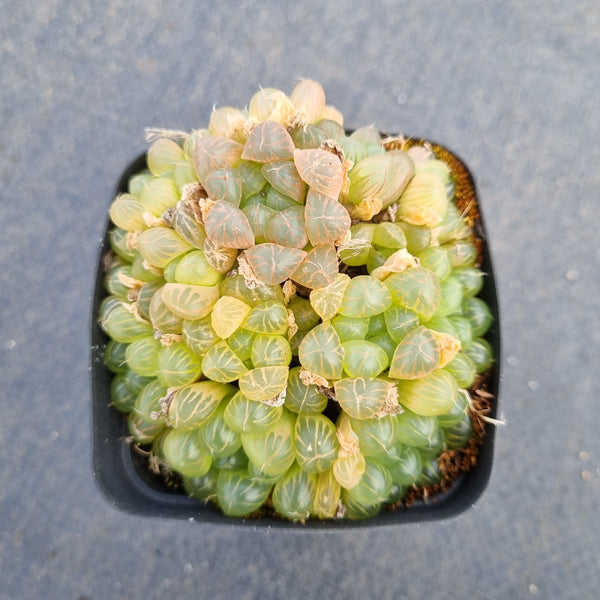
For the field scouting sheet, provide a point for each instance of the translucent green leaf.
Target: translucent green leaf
(416, 288)
(240, 341)
(270, 350)
(417, 355)
(115, 356)
(268, 317)
(224, 184)
(470, 278)
(374, 486)
(451, 297)
(321, 170)
(363, 358)
(191, 405)
(293, 495)
(178, 365)
(348, 468)
(189, 301)
(459, 433)
(227, 226)
(149, 400)
(268, 141)
(284, 177)
(357, 511)
(187, 226)
(194, 268)
(274, 263)
(204, 487)
(186, 453)
(376, 436)
(304, 314)
(318, 269)
(118, 320)
(213, 152)
(327, 221)
(121, 397)
(142, 356)
(272, 450)
(321, 353)
(362, 397)
(424, 201)
(479, 315)
(222, 364)
(158, 194)
(118, 242)
(126, 212)
(355, 253)
(287, 228)
(163, 155)
(431, 395)
(462, 253)
(216, 434)
(419, 431)
(389, 235)
(144, 431)
(253, 181)
(365, 296)
(481, 353)
(160, 245)
(316, 443)
(381, 176)
(199, 335)
(327, 300)
(350, 328)
(308, 136)
(264, 383)
(258, 216)
(227, 315)
(236, 286)
(462, 368)
(219, 258)
(301, 398)
(399, 321)
(239, 494)
(249, 416)
(327, 496)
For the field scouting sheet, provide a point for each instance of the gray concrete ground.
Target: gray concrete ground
(513, 87)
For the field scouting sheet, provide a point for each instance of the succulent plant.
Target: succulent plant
(292, 310)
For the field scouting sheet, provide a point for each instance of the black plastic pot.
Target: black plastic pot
(123, 477)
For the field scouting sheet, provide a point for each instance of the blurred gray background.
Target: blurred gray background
(512, 87)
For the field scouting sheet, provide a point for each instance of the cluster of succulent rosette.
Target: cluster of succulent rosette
(292, 311)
